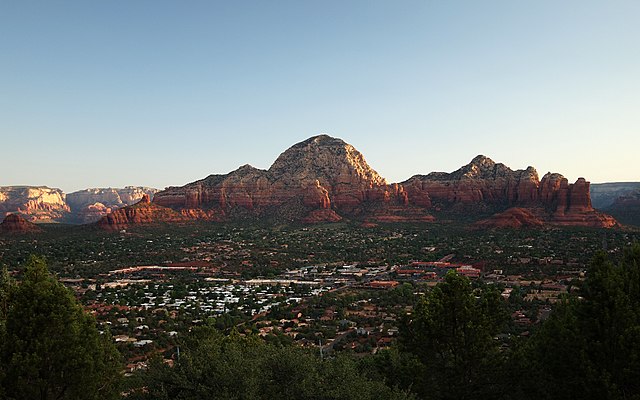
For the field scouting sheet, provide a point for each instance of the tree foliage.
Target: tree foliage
(452, 333)
(590, 347)
(51, 348)
(214, 366)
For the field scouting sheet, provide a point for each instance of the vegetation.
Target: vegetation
(590, 347)
(454, 341)
(214, 366)
(451, 332)
(50, 348)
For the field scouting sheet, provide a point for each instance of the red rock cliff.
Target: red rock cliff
(15, 224)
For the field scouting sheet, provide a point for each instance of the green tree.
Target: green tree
(451, 332)
(590, 347)
(214, 366)
(6, 286)
(52, 349)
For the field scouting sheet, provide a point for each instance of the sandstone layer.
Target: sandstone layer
(143, 212)
(35, 203)
(626, 208)
(519, 197)
(324, 179)
(90, 205)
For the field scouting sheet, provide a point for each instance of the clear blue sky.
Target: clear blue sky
(159, 93)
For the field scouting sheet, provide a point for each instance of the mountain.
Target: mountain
(324, 179)
(15, 224)
(44, 204)
(603, 195)
(89, 205)
(35, 203)
(143, 212)
(626, 208)
(518, 197)
(320, 179)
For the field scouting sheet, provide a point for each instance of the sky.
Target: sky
(162, 93)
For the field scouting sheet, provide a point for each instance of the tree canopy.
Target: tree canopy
(51, 348)
(590, 347)
(214, 366)
(451, 332)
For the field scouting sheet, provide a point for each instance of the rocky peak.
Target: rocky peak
(14, 223)
(329, 160)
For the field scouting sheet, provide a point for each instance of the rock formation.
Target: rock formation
(35, 203)
(486, 185)
(90, 205)
(43, 204)
(604, 195)
(482, 180)
(514, 217)
(143, 212)
(626, 208)
(324, 179)
(15, 224)
(319, 179)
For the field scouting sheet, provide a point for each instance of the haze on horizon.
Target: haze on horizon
(160, 93)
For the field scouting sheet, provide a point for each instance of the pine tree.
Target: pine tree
(451, 332)
(52, 348)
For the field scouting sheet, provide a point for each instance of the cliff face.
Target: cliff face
(90, 205)
(35, 203)
(43, 204)
(321, 173)
(143, 212)
(482, 180)
(527, 200)
(15, 224)
(604, 195)
(324, 179)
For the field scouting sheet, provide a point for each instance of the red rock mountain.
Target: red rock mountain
(325, 179)
(143, 212)
(15, 224)
(486, 185)
(320, 179)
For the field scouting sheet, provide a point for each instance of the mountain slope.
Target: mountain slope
(326, 179)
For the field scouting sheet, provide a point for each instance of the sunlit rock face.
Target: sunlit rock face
(320, 173)
(90, 205)
(34, 203)
(324, 179)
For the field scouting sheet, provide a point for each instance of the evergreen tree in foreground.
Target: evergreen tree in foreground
(51, 349)
(451, 332)
(590, 347)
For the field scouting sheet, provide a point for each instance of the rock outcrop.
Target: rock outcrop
(514, 217)
(318, 180)
(324, 179)
(519, 198)
(626, 208)
(480, 181)
(90, 205)
(15, 224)
(143, 212)
(604, 195)
(34, 203)
(44, 204)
